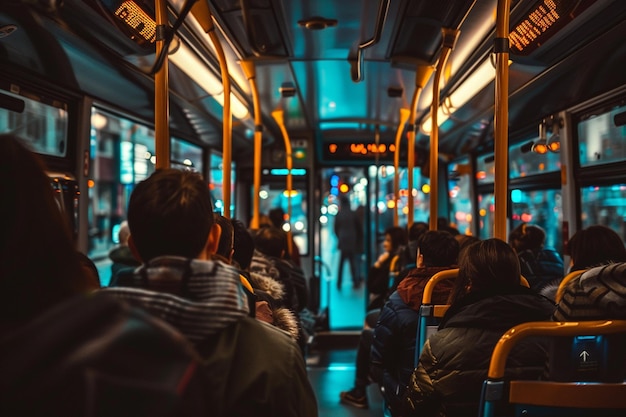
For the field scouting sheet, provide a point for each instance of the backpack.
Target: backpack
(541, 267)
(97, 356)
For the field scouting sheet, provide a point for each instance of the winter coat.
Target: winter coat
(393, 348)
(596, 294)
(254, 369)
(541, 267)
(454, 361)
(98, 356)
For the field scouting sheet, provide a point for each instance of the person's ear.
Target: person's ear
(213, 240)
(420, 260)
(133, 248)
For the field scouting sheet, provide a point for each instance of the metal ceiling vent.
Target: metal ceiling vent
(317, 23)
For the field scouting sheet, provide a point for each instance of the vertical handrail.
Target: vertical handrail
(422, 74)
(203, 14)
(449, 40)
(278, 116)
(404, 116)
(501, 119)
(161, 92)
(249, 69)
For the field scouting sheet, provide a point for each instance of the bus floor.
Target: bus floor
(331, 363)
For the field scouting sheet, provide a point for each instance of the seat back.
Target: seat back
(430, 315)
(561, 290)
(577, 396)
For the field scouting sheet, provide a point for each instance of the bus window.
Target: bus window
(216, 176)
(486, 209)
(600, 140)
(605, 205)
(459, 182)
(42, 125)
(543, 208)
(523, 162)
(185, 155)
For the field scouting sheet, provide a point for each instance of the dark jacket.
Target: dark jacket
(98, 356)
(393, 348)
(123, 260)
(454, 361)
(255, 369)
(541, 267)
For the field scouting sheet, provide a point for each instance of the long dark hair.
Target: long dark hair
(39, 266)
(488, 265)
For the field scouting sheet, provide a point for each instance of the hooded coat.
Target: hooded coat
(454, 361)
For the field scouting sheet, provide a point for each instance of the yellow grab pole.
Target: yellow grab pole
(449, 39)
(250, 71)
(203, 14)
(161, 93)
(501, 120)
(278, 116)
(422, 74)
(404, 116)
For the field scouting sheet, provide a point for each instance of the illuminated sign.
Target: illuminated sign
(543, 21)
(364, 151)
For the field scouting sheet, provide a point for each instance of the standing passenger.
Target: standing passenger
(349, 232)
(255, 368)
(486, 301)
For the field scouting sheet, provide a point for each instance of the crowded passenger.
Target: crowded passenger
(378, 276)
(540, 266)
(267, 293)
(357, 395)
(393, 348)
(487, 300)
(123, 259)
(172, 231)
(594, 246)
(64, 349)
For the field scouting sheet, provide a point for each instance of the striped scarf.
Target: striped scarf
(199, 298)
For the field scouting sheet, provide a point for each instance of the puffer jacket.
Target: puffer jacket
(454, 361)
(393, 349)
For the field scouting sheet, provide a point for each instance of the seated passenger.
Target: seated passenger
(378, 276)
(487, 300)
(357, 395)
(594, 246)
(539, 265)
(255, 368)
(65, 351)
(121, 255)
(393, 348)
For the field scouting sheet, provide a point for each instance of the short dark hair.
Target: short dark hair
(170, 213)
(594, 246)
(527, 237)
(398, 236)
(271, 241)
(438, 248)
(225, 244)
(242, 243)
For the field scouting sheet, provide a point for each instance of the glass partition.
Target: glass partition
(600, 141)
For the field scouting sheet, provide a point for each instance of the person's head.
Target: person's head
(416, 230)
(271, 241)
(394, 238)
(124, 233)
(225, 242)
(170, 213)
(594, 246)
(488, 265)
(38, 263)
(527, 237)
(277, 217)
(243, 244)
(465, 240)
(437, 248)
